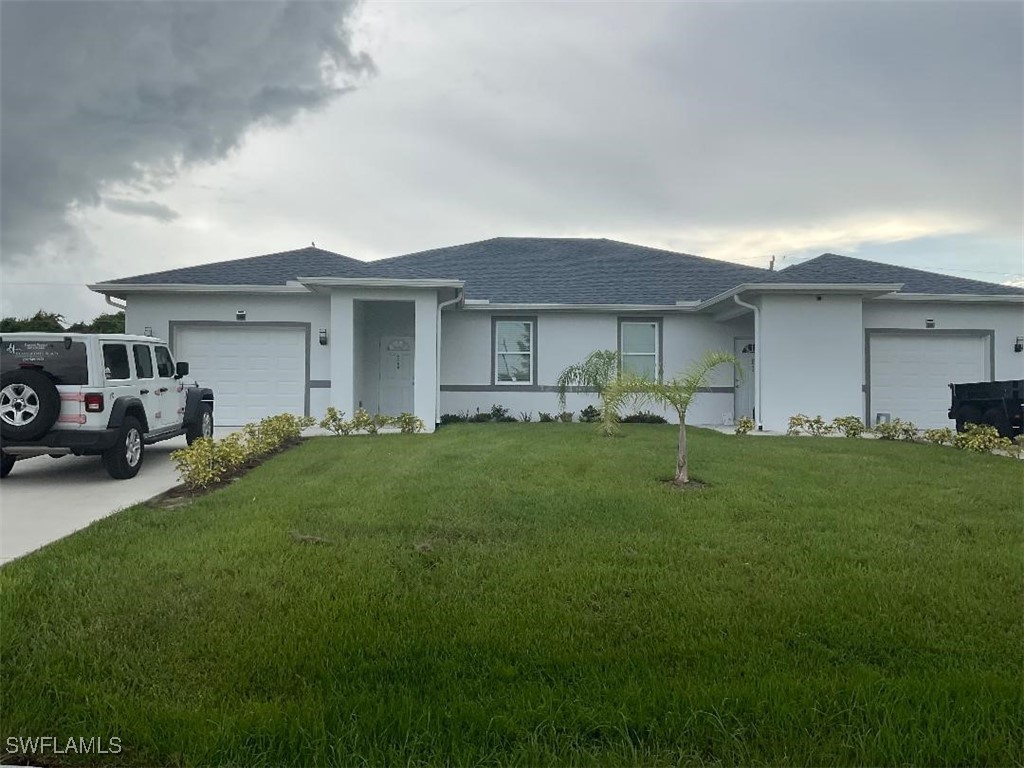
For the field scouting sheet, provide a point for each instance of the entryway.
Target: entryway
(743, 387)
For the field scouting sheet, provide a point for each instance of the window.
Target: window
(65, 363)
(640, 348)
(115, 361)
(143, 361)
(513, 351)
(164, 363)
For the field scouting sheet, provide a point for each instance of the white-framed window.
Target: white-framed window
(639, 346)
(513, 350)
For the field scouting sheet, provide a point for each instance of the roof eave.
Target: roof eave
(857, 289)
(120, 289)
(968, 298)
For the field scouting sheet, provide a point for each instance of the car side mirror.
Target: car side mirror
(181, 369)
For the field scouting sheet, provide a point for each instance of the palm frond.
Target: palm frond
(596, 372)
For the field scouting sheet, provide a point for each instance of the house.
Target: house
(496, 321)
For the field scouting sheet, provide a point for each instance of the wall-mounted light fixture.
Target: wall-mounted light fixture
(929, 323)
(1018, 345)
(240, 314)
(323, 337)
(148, 330)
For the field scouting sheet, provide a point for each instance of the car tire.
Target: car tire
(202, 426)
(124, 460)
(997, 418)
(968, 414)
(6, 463)
(29, 404)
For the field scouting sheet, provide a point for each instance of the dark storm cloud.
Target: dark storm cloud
(147, 208)
(100, 94)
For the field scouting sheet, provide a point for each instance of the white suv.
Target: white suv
(95, 394)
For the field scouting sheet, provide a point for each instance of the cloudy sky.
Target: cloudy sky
(143, 136)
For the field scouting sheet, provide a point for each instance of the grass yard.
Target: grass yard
(532, 594)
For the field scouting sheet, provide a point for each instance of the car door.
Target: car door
(145, 374)
(168, 389)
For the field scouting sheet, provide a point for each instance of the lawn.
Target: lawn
(535, 594)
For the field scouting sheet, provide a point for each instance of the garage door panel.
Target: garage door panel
(911, 373)
(255, 371)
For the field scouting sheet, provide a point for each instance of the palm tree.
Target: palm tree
(677, 393)
(596, 372)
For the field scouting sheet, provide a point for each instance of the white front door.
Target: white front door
(743, 392)
(395, 393)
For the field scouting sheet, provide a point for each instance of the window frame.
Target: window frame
(659, 346)
(135, 361)
(532, 320)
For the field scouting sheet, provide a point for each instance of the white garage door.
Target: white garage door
(255, 371)
(911, 373)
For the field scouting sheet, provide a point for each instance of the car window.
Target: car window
(164, 363)
(66, 363)
(143, 361)
(115, 361)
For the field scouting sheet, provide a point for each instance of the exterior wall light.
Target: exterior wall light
(323, 337)
(240, 314)
(1018, 345)
(148, 330)
(929, 323)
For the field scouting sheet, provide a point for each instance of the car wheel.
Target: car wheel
(6, 463)
(124, 460)
(29, 404)
(967, 415)
(202, 426)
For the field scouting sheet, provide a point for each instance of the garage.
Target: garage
(910, 373)
(254, 370)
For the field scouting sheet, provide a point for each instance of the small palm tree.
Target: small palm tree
(677, 393)
(596, 372)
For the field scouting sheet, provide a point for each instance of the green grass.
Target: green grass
(534, 594)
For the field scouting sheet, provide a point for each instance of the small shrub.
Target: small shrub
(896, 430)
(983, 438)
(590, 414)
(565, 417)
(644, 417)
(850, 426)
(453, 418)
(818, 427)
(409, 424)
(335, 421)
(744, 424)
(479, 418)
(796, 424)
(544, 417)
(499, 413)
(362, 421)
(526, 416)
(942, 436)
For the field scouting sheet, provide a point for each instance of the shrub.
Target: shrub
(479, 418)
(541, 416)
(454, 418)
(364, 422)
(590, 414)
(335, 421)
(526, 416)
(499, 413)
(796, 424)
(850, 426)
(983, 438)
(644, 417)
(409, 424)
(942, 436)
(816, 426)
(744, 424)
(896, 430)
(565, 417)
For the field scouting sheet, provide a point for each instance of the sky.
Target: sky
(142, 136)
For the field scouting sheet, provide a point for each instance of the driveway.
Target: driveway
(46, 499)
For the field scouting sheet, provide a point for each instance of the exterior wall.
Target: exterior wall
(1006, 321)
(811, 357)
(564, 338)
(157, 310)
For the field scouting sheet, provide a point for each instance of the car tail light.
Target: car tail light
(94, 402)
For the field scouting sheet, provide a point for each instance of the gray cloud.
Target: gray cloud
(99, 94)
(148, 208)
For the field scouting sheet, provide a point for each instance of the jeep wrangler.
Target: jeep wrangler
(95, 395)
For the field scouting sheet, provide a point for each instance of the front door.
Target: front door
(395, 393)
(744, 388)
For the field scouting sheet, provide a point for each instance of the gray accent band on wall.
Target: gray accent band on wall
(659, 321)
(547, 388)
(533, 348)
(988, 333)
(319, 383)
(174, 325)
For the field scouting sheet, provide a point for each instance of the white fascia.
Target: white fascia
(861, 289)
(968, 298)
(120, 289)
(378, 282)
(483, 304)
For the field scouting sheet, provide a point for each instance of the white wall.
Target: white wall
(564, 338)
(1006, 320)
(811, 357)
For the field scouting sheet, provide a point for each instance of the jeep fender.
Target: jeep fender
(124, 406)
(195, 397)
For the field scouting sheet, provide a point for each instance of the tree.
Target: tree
(597, 372)
(109, 323)
(46, 322)
(677, 393)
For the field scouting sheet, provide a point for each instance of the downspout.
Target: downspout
(757, 358)
(115, 305)
(437, 336)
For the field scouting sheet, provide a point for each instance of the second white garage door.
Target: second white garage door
(255, 371)
(911, 373)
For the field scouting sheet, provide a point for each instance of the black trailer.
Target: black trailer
(997, 403)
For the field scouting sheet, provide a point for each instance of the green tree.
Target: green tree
(48, 322)
(676, 393)
(596, 372)
(107, 323)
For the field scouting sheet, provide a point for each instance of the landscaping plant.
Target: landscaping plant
(744, 424)
(596, 372)
(896, 430)
(590, 415)
(943, 436)
(850, 426)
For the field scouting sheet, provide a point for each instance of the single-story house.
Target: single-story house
(461, 328)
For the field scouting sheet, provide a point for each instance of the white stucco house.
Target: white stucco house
(464, 327)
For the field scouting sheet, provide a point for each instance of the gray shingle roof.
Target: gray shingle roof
(539, 270)
(832, 268)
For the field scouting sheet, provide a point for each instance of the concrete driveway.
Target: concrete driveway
(46, 499)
